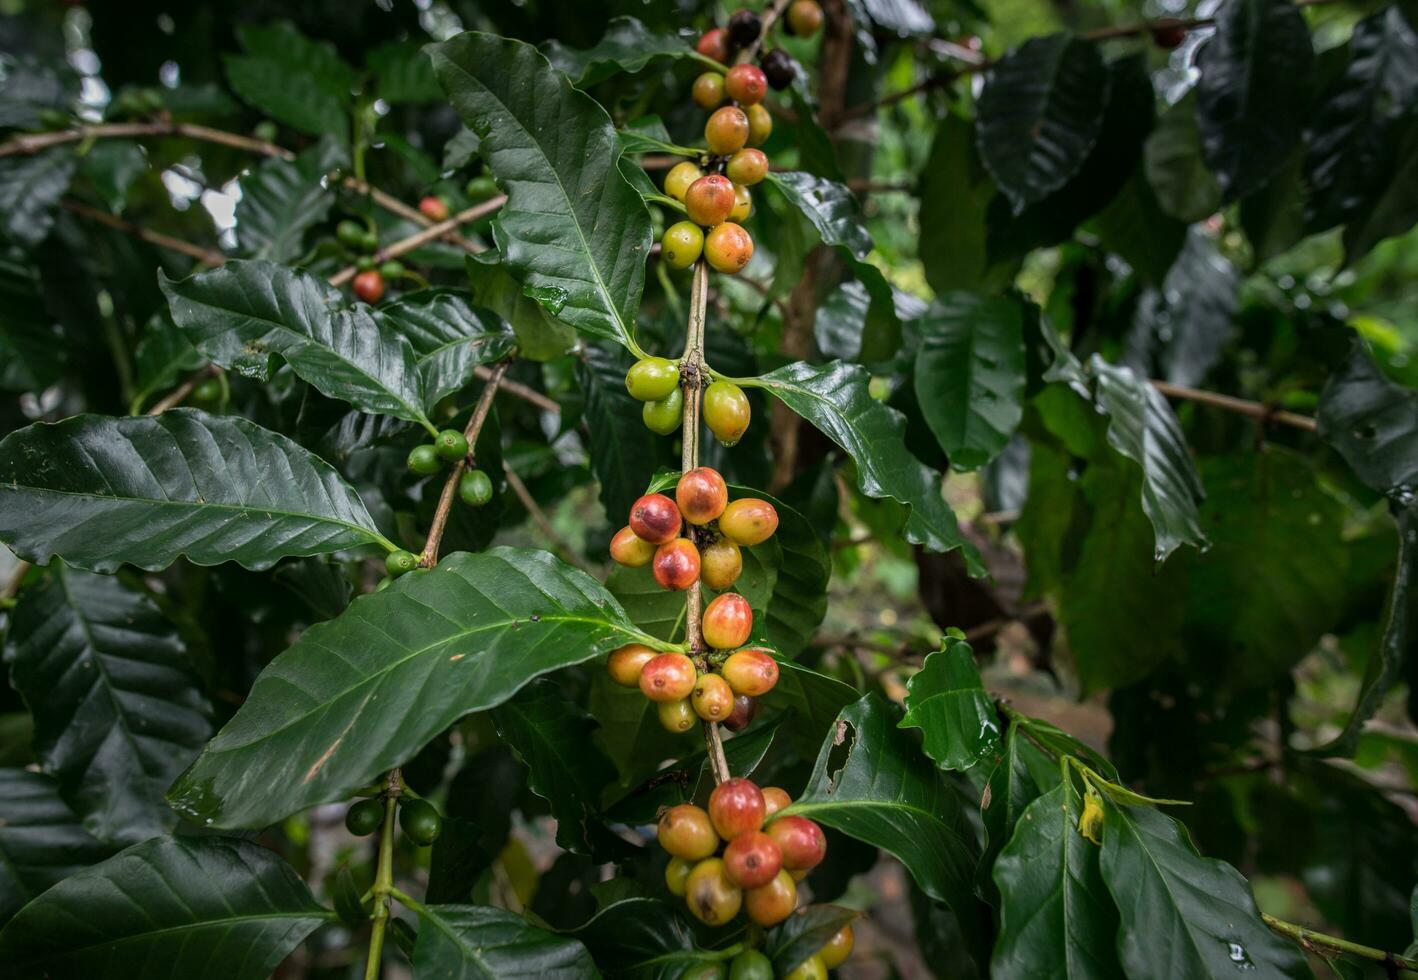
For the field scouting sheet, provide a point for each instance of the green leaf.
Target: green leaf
(574, 231)
(295, 80)
(1143, 428)
(969, 375)
(30, 189)
(450, 337)
(956, 192)
(834, 397)
(1185, 324)
(539, 337)
(803, 934)
(1039, 114)
(1012, 786)
(163, 355)
(32, 351)
(117, 708)
(99, 492)
(641, 939)
(360, 694)
(1253, 96)
(112, 166)
(947, 702)
(627, 46)
(624, 454)
(552, 735)
(872, 783)
(468, 942)
(1175, 167)
(247, 311)
(1394, 209)
(1181, 914)
(797, 600)
(31, 85)
(1136, 228)
(283, 199)
(815, 700)
(41, 841)
(403, 73)
(1056, 917)
(170, 908)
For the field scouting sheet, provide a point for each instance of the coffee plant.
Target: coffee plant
(680, 490)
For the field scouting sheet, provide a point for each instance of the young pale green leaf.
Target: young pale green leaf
(574, 231)
(246, 311)
(117, 709)
(969, 375)
(947, 702)
(1183, 915)
(834, 397)
(872, 783)
(641, 939)
(30, 189)
(170, 908)
(31, 349)
(1056, 917)
(41, 841)
(1253, 97)
(803, 934)
(627, 46)
(1039, 114)
(450, 337)
(99, 492)
(469, 942)
(283, 199)
(1175, 168)
(565, 766)
(360, 694)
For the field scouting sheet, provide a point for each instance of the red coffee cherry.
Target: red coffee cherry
(709, 200)
(655, 518)
(721, 563)
(727, 130)
(747, 522)
(736, 807)
(667, 677)
(747, 167)
(712, 698)
(752, 860)
(801, 841)
(630, 550)
(727, 622)
(1169, 37)
(434, 208)
(701, 495)
(751, 671)
(686, 832)
(369, 286)
(773, 902)
(626, 663)
(745, 708)
(708, 91)
(728, 248)
(677, 716)
(710, 895)
(714, 44)
(746, 84)
(775, 798)
(676, 565)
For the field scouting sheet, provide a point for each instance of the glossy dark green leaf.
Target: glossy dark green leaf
(1012, 786)
(30, 189)
(1184, 325)
(403, 73)
(835, 398)
(1185, 188)
(247, 311)
(539, 337)
(164, 356)
(1182, 914)
(1253, 96)
(362, 693)
(627, 46)
(1039, 114)
(468, 942)
(947, 702)
(450, 337)
(117, 708)
(574, 231)
(99, 492)
(969, 375)
(295, 80)
(283, 199)
(872, 783)
(956, 192)
(170, 908)
(641, 939)
(624, 453)
(814, 698)
(1056, 917)
(112, 166)
(31, 348)
(1394, 209)
(803, 934)
(1135, 227)
(41, 841)
(553, 737)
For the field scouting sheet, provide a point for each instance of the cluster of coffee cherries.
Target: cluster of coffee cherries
(655, 381)
(372, 279)
(418, 818)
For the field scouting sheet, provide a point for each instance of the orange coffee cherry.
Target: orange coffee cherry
(747, 167)
(715, 44)
(747, 521)
(727, 622)
(667, 677)
(728, 248)
(760, 124)
(801, 841)
(709, 200)
(686, 832)
(710, 895)
(625, 663)
(751, 671)
(701, 495)
(772, 903)
(726, 131)
(712, 698)
(746, 84)
(708, 91)
(835, 952)
(676, 565)
(721, 563)
(752, 860)
(630, 550)
(736, 807)
(775, 798)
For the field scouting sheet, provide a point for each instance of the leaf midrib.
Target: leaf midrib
(318, 913)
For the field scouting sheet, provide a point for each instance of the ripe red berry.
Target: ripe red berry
(667, 677)
(746, 84)
(369, 286)
(1169, 37)
(727, 248)
(715, 44)
(655, 518)
(775, 798)
(710, 895)
(712, 698)
(748, 521)
(779, 68)
(701, 495)
(709, 200)
(630, 550)
(686, 831)
(751, 671)
(801, 841)
(727, 130)
(624, 664)
(676, 565)
(736, 807)
(745, 708)
(721, 563)
(770, 904)
(434, 208)
(752, 860)
(727, 622)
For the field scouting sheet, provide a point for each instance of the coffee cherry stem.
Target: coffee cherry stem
(383, 876)
(770, 17)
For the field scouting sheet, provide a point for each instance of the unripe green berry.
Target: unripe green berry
(664, 416)
(652, 378)
(394, 269)
(400, 562)
(475, 488)
(726, 411)
(481, 188)
(350, 234)
(681, 245)
(364, 817)
(450, 444)
(424, 460)
(420, 821)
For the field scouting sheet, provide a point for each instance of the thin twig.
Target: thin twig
(179, 394)
(429, 558)
(517, 388)
(1311, 940)
(558, 543)
(206, 256)
(406, 245)
(1238, 405)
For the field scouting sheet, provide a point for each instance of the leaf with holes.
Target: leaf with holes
(450, 337)
(468, 942)
(41, 841)
(283, 199)
(947, 702)
(99, 492)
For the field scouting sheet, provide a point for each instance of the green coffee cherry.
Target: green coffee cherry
(420, 821)
(424, 460)
(400, 563)
(369, 241)
(364, 817)
(481, 188)
(393, 269)
(364, 263)
(350, 234)
(652, 378)
(475, 488)
(750, 965)
(664, 416)
(451, 445)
